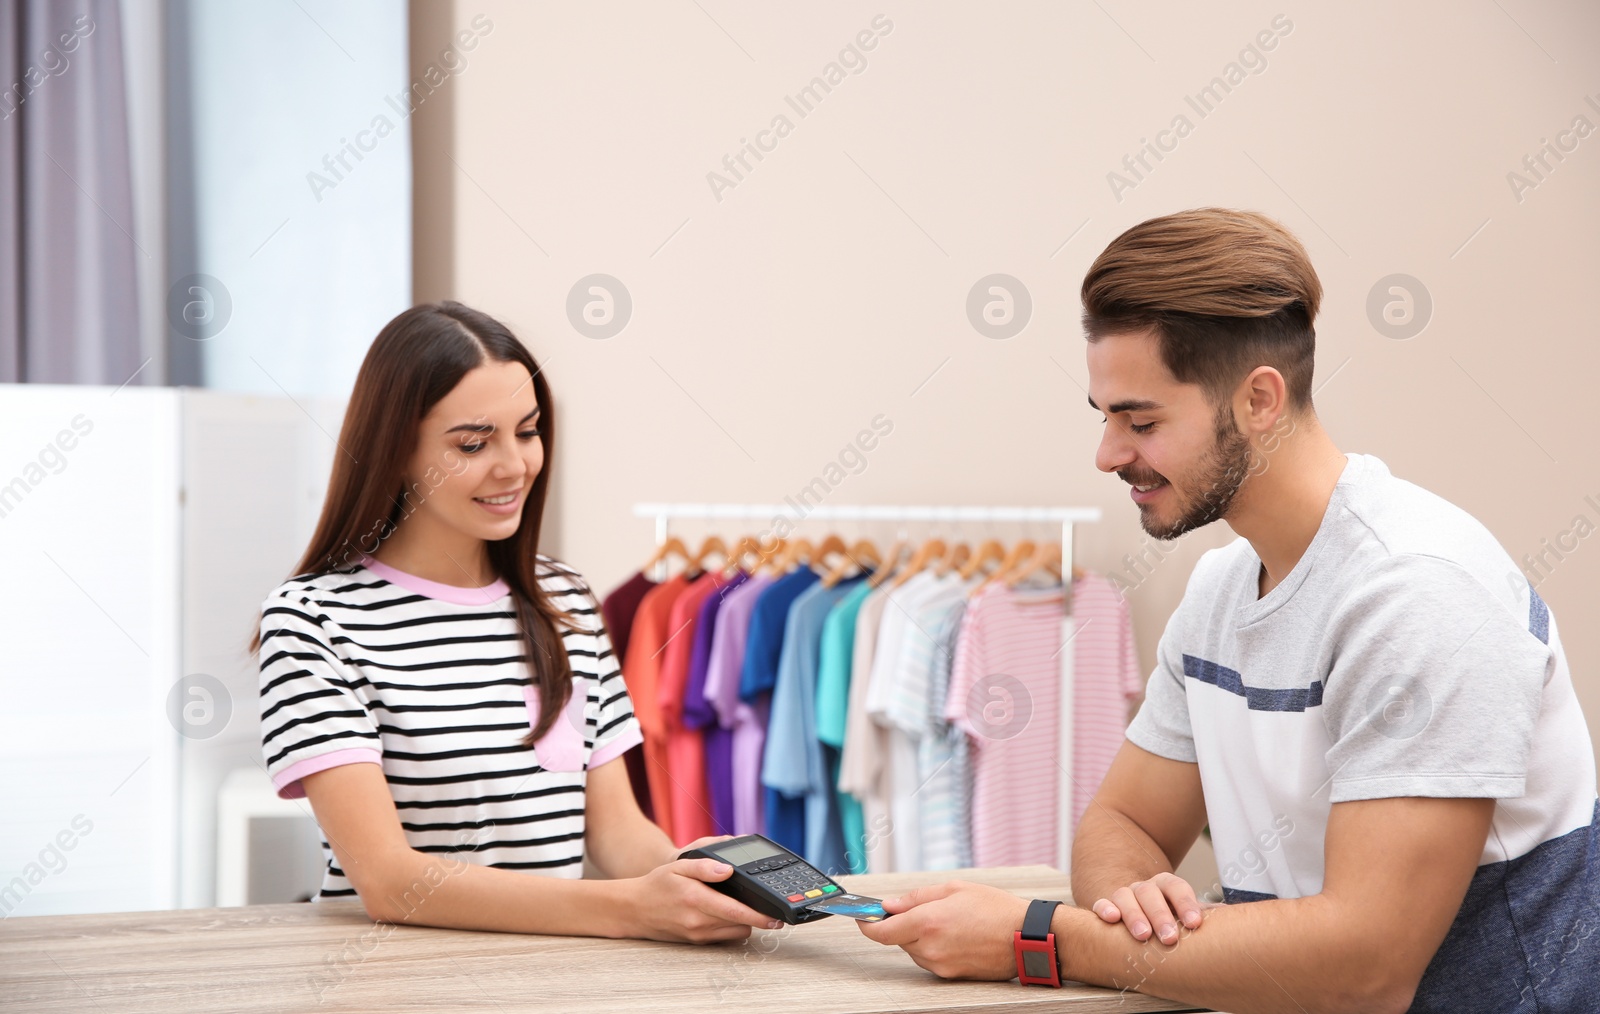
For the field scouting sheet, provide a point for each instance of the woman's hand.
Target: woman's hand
(700, 843)
(672, 902)
(673, 851)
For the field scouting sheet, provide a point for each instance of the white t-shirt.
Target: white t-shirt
(1404, 655)
(430, 681)
(899, 658)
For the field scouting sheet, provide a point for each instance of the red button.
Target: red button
(797, 897)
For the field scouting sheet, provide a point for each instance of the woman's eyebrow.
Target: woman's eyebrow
(488, 427)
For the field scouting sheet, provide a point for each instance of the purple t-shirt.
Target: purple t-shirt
(744, 727)
(699, 713)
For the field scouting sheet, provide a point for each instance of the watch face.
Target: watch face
(1036, 964)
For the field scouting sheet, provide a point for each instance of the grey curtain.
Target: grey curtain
(68, 292)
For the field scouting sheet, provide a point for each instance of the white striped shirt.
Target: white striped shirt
(431, 681)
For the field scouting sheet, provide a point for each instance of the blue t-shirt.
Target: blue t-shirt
(793, 768)
(765, 643)
(785, 819)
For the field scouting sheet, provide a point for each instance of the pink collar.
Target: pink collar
(434, 590)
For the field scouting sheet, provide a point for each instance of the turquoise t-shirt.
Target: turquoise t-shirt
(833, 698)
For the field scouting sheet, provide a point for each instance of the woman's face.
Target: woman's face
(478, 452)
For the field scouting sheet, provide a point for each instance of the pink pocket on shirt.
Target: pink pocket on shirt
(560, 749)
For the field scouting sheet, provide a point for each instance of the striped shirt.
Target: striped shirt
(897, 700)
(1004, 694)
(430, 681)
(1106, 679)
(929, 783)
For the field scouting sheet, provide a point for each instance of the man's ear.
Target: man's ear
(1261, 400)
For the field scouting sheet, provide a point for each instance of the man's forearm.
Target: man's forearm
(1111, 851)
(1269, 956)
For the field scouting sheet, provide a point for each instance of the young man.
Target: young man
(1362, 695)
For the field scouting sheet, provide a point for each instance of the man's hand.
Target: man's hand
(1141, 823)
(1156, 903)
(955, 930)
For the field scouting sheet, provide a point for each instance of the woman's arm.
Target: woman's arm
(396, 883)
(620, 841)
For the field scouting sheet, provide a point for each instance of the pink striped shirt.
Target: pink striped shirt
(1004, 693)
(1106, 677)
(1004, 696)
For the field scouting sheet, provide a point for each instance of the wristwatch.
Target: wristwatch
(1036, 946)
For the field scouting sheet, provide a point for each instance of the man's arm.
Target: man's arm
(1135, 832)
(1397, 870)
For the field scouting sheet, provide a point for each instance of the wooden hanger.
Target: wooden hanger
(957, 557)
(890, 561)
(799, 550)
(772, 555)
(832, 545)
(673, 545)
(740, 557)
(856, 559)
(867, 550)
(1048, 558)
(1021, 551)
(989, 551)
(931, 550)
(712, 544)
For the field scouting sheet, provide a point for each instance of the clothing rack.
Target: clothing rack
(1066, 517)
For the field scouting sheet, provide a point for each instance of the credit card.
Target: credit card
(851, 906)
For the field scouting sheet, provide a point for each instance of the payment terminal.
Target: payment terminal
(769, 878)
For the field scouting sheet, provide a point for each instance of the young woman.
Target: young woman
(445, 697)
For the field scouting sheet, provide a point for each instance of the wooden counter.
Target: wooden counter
(330, 956)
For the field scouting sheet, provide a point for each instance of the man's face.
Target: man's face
(1183, 459)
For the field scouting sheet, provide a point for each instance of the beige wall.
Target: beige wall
(829, 285)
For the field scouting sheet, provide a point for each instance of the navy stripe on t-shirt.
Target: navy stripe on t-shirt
(1255, 698)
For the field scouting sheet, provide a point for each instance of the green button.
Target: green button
(830, 888)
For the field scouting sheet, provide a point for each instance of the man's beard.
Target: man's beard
(1221, 474)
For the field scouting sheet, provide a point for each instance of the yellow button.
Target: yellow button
(813, 894)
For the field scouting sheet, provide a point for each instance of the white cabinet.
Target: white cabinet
(140, 529)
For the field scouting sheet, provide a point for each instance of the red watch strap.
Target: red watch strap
(1035, 947)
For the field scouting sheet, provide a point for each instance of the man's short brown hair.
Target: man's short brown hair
(1224, 291)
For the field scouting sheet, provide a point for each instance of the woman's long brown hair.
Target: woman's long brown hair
(417, 359)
